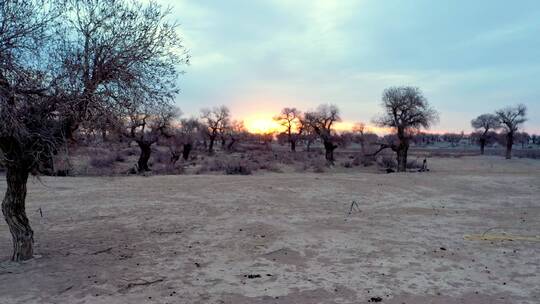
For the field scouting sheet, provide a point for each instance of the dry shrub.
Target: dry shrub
(131, 151)
(319, 165)
(272, 167)
(161, 157)
(238, 168)
(211, 165)
(530, 153)
(169, 168)
(414, 165)
(105, 159)
(347, 164)
(386, 162)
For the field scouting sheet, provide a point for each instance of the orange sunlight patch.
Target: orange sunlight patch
(261, 124)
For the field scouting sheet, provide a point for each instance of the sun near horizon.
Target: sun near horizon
(264, 123)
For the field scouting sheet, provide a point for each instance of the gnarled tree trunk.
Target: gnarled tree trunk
(509, 144)
(293, 145)
(13, 208)
(186, 151)
(230, 146)
(329, 148)
(402, 157)
(482, 145)
(211, 145)
(146, 151)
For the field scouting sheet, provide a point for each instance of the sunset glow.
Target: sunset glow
(261, 124)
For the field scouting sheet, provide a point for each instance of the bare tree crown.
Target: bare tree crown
(511, 118)
(323, 119)
(486, 122)
(407, 109)
(216, 119)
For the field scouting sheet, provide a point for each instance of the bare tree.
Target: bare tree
(523, 138)
(453, 138)
(322, 121)
(308, 135)
(29, 128)
(511, 118)
(406, 110)
(184, 139)
(236, 131)
(115, 50)
(146, 124)
(216, 120)
(359, 129)
(55, 76)
(484, 124)
(289, 118)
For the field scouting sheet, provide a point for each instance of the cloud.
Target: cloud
(468, 57)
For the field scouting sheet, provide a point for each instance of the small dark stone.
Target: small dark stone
(375, 299)
(443, 249)
(252, 276)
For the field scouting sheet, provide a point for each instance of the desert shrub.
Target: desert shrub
(120, 158)
(532, 153)
(319, 165)
(347, 164)
(272, 167)
(357, 161)
(368, 161)
(167, 168)
(238, 168)
(161, 157)
(129, 152)
(103, 159)
(386, 162)
(414, 164)
(212, 165)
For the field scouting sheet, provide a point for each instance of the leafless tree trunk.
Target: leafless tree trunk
(211, 140)
(13, 208)
(401, 152)
(329, 148)
(186, 151)
(509, 144)
(293, 145)
(482, 145)
(146, 151)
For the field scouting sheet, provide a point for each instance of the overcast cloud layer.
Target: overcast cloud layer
(469, 57)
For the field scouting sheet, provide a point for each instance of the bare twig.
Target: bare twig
(354, 207)
(103, 251)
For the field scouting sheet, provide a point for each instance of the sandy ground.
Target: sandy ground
(283, 238)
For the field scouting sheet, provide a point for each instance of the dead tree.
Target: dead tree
(289, 118)
(235, 132)
(523, 138)
(359, 129)
(145, 125)
(453, 138)
(308, 136)
(184, 139)
(113, 48)
(483, 124)
(216, 121)
(29, 104)
(56, 75)
(511, 118)
(322, 121)
(406, 110)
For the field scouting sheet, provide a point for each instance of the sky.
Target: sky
(258, 56)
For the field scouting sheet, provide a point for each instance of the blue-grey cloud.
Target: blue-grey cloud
(469, 57)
